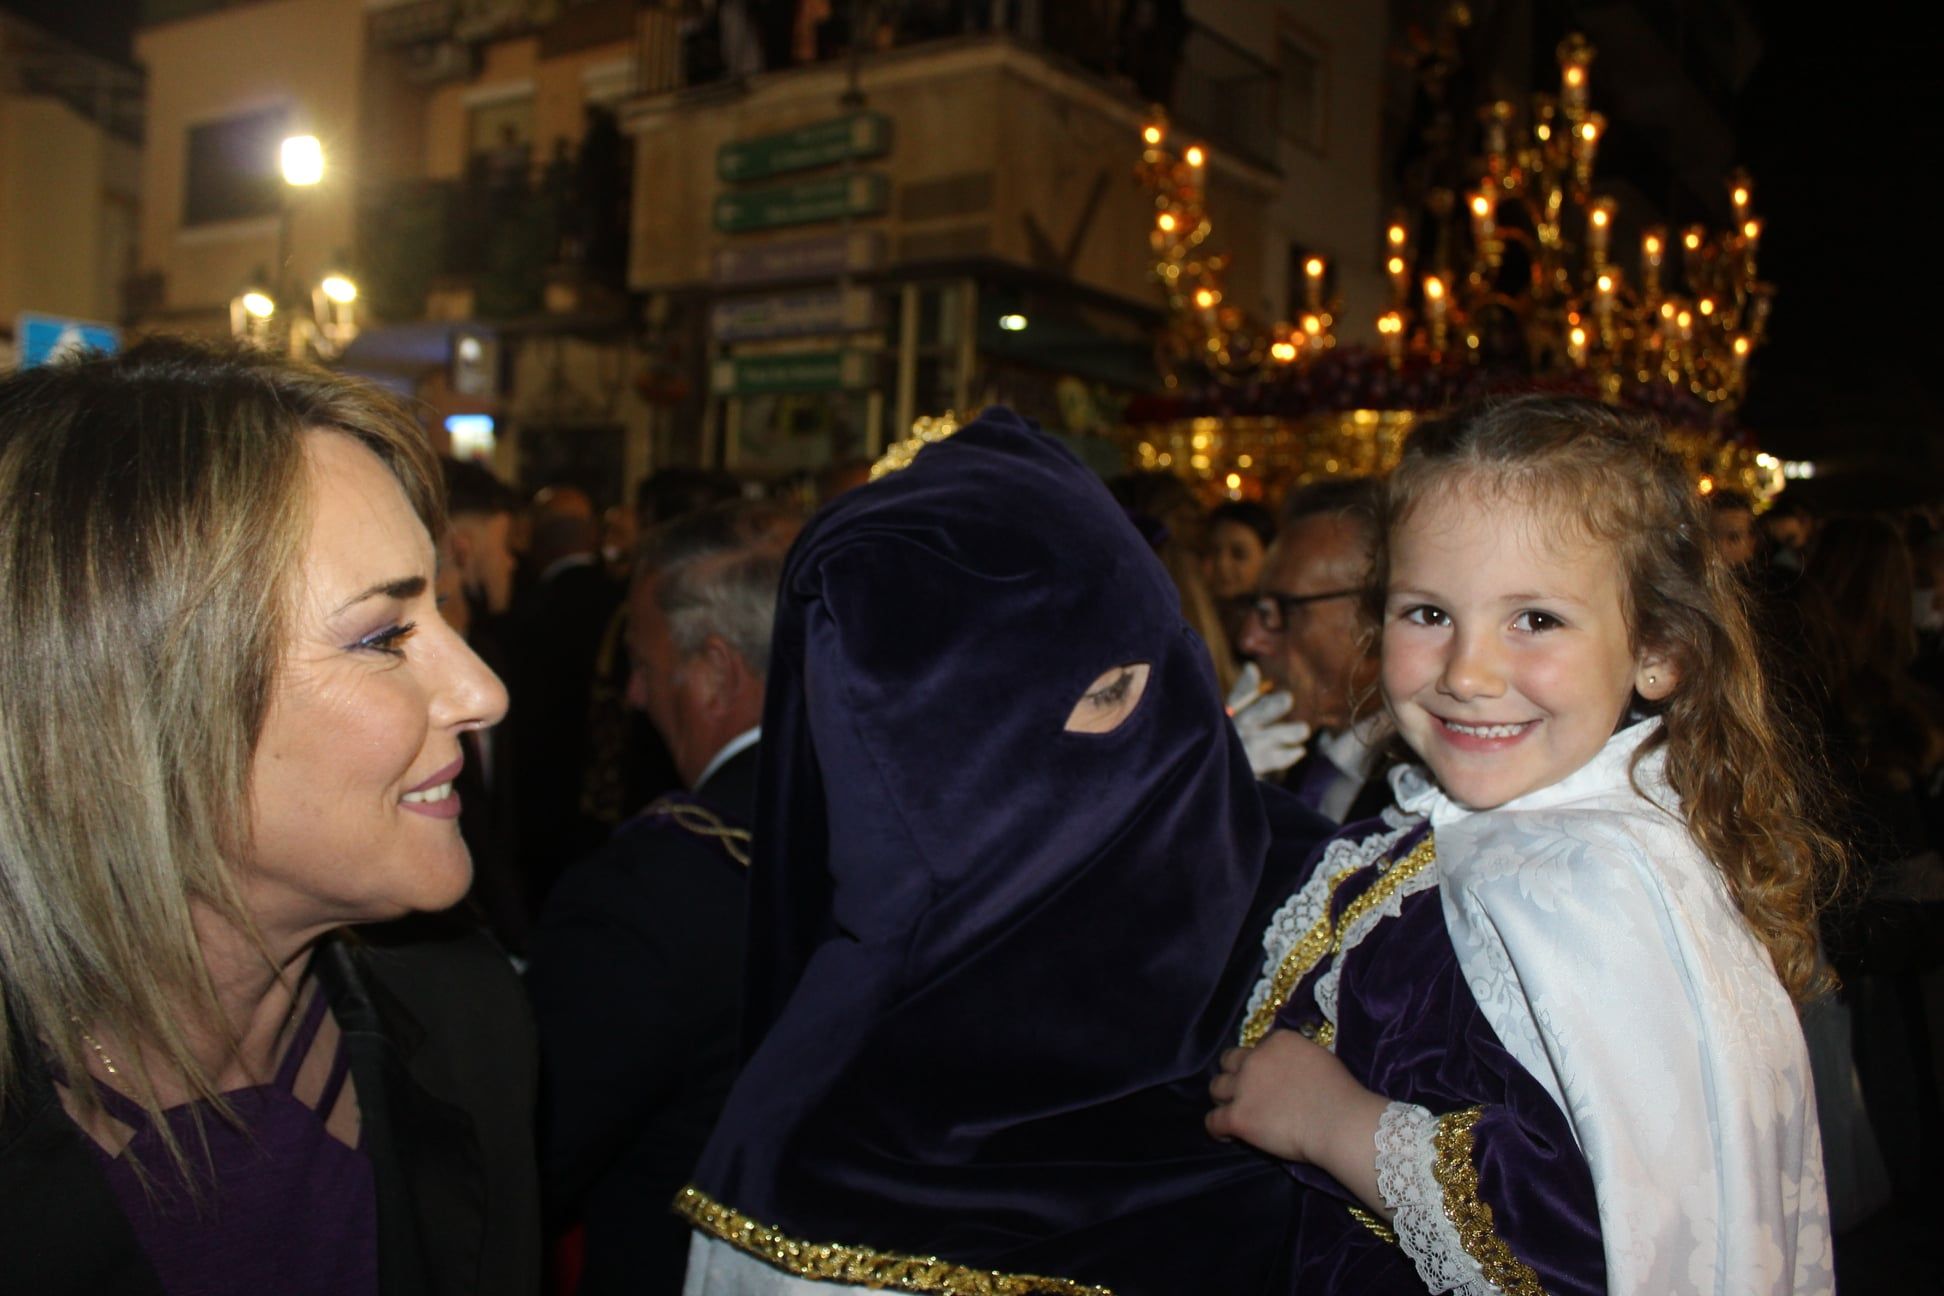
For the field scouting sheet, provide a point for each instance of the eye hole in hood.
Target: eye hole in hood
(1109, 700)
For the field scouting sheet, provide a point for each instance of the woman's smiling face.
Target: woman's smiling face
(353, 817)
(1507, 661)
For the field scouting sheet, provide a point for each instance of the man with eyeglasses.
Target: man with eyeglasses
(1307, 635)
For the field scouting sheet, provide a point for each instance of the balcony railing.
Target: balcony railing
(1208, 82)
(502, 230)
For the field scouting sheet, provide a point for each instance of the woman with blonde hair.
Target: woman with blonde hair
(230, 719)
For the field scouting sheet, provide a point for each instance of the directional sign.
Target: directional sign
(860, 135)
(795, 314)
(819, 256)
(831, 198)
(44, 339)
(791, 371)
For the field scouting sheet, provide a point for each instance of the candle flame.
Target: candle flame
(1194, 156)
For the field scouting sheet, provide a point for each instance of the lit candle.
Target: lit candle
(1437, 301)
(1741, 191)
(1576, 346)
(1693, 244)
(1742, 347)
(1390, 327)
(1496, 117)
(1603, 290)
(1586, 146)
(1484, 217)
(1313, 283)
(1575, 56)
(1599, 224)
(1399, 271)
(1653, 246)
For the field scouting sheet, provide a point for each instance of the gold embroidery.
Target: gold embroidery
(692, 818)
(862, 1266)
(1383, 1231)
(924, 432)
(1326, 1035)
(1326, 937)
(1455, 1173)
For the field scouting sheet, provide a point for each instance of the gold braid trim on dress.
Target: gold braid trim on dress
(1326, 937)
(1455, 1173)
(861, 1266)
(924, 432)
(702, 822)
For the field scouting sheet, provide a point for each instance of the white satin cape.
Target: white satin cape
(1605, 951)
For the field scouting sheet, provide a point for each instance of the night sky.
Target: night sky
(1841, 126)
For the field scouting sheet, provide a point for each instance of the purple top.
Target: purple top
(285, 1206)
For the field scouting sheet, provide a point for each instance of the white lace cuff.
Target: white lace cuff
(1407, 1180)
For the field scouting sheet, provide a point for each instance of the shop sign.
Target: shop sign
(46, 339)
(818, 256)
(802, 203)
(792, 372)
(859, 135)
(793, 314)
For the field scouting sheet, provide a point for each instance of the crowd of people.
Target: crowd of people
(1519, 873)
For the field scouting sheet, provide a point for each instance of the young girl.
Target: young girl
(1533, 1030)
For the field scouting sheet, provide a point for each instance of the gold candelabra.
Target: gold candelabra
(1517, 272)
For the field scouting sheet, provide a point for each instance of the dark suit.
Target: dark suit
(636, 979)
(1312, 779)
(441, 1054)
(553, 640)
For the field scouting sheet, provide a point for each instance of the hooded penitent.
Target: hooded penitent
(994, 958)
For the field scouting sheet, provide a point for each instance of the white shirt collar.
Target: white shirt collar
(567, 563)
(1609, 770)
(740, 743)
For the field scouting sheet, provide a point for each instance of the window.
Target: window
(1299, 68)
(232, 168)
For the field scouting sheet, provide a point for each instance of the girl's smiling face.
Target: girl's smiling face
(1507, 661)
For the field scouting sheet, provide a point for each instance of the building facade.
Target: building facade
(70, 142)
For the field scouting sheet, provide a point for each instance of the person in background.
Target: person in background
(1164, 509)
(231, 722)
(1733, 518)
(638, 962)
(1788, 526)
(1239, 534)
(476, 587)
(553, 642)
(1307, 636)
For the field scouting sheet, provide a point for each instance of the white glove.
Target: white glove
(1272, 742)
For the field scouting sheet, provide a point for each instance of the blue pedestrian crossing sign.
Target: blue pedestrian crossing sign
(43, 339)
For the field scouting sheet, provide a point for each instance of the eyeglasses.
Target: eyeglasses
(1272, 610)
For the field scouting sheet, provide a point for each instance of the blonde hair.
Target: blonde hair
(155, 513)
(1752, 798)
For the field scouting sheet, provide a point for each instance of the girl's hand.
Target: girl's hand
(1295, 1100)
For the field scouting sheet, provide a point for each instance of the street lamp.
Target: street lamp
(301, 159)
(334, 305)
(251, 312)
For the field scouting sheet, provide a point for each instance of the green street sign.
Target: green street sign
(859, 135)
(802, 203)
(791, 372)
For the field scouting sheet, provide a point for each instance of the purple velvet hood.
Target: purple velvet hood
(993, 961)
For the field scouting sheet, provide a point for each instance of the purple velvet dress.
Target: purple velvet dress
(1408, 1028)
(287, 1208)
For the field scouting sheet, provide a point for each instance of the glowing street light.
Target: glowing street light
(303, 160)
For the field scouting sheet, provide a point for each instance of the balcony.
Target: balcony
(1207, 82)
(501, 235)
